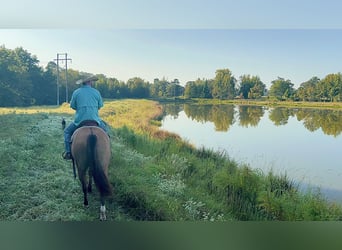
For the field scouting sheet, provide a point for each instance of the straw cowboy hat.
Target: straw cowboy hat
(89, 79)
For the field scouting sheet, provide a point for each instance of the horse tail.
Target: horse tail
(100, 178)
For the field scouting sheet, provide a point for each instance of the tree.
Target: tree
(281, 89)
(206, 93)
(330, 87)
(190, 90)
(44, 88)
(246, 83)
(18, 71)
(138, 88)
(223, 85)
(251, 87)
(201, 88)
(257, 91)
(174, 89)
(307, 91)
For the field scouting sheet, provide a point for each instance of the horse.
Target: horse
(90, 150)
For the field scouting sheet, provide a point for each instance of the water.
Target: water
(306, 144)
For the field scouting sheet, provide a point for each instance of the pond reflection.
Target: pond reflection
(330, 121)
(250, 116)
(223, 116)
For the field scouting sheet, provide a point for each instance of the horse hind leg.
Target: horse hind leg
(85, 197)
(103, 210)
(84, 189)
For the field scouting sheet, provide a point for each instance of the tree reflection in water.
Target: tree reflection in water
(225, 115)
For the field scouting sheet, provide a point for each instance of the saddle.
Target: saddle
(88, 123)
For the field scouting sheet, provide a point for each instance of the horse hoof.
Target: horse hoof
(103, 213)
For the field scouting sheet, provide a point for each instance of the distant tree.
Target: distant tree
(123, 91)
(175, 81)
(138, 88)
(251, 87)
(102, 86)
(201, 88)
(45, 87)
(206, 92)
(307, 91)
(257, 91)
(113, 87)
(161, 88)
(246, 83)
(223, 85)
(330, 88)
(281, 89)
(170, 90)
(190, 90)
(173, 89)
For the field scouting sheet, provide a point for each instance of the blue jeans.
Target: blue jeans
(71, 129)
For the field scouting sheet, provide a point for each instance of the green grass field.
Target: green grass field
(155, 175)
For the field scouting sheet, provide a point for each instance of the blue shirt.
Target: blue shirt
(86, 101)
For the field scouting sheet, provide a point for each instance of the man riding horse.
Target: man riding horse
(87, 101)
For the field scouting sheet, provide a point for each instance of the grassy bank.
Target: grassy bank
(274, 103)
(155, 175)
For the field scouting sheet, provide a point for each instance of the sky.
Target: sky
(184, 40)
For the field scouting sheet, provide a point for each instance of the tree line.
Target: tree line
(23, 83)
(226, 86)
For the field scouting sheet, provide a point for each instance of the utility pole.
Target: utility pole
(66, 59)
(57, 80)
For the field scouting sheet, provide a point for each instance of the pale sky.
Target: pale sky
(187, 39)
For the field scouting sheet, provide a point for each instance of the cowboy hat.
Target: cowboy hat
(89, 79)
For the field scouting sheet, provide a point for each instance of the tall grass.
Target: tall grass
(201, 184)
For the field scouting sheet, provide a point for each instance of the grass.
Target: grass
(36, 183)
(155, 174)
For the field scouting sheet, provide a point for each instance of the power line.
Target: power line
(66, 59)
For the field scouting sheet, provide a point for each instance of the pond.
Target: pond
(303, 143)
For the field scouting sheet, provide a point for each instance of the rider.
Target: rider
(86, 101)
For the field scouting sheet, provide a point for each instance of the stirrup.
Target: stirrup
(67, 156)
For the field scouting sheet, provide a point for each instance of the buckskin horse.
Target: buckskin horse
(91, 152)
